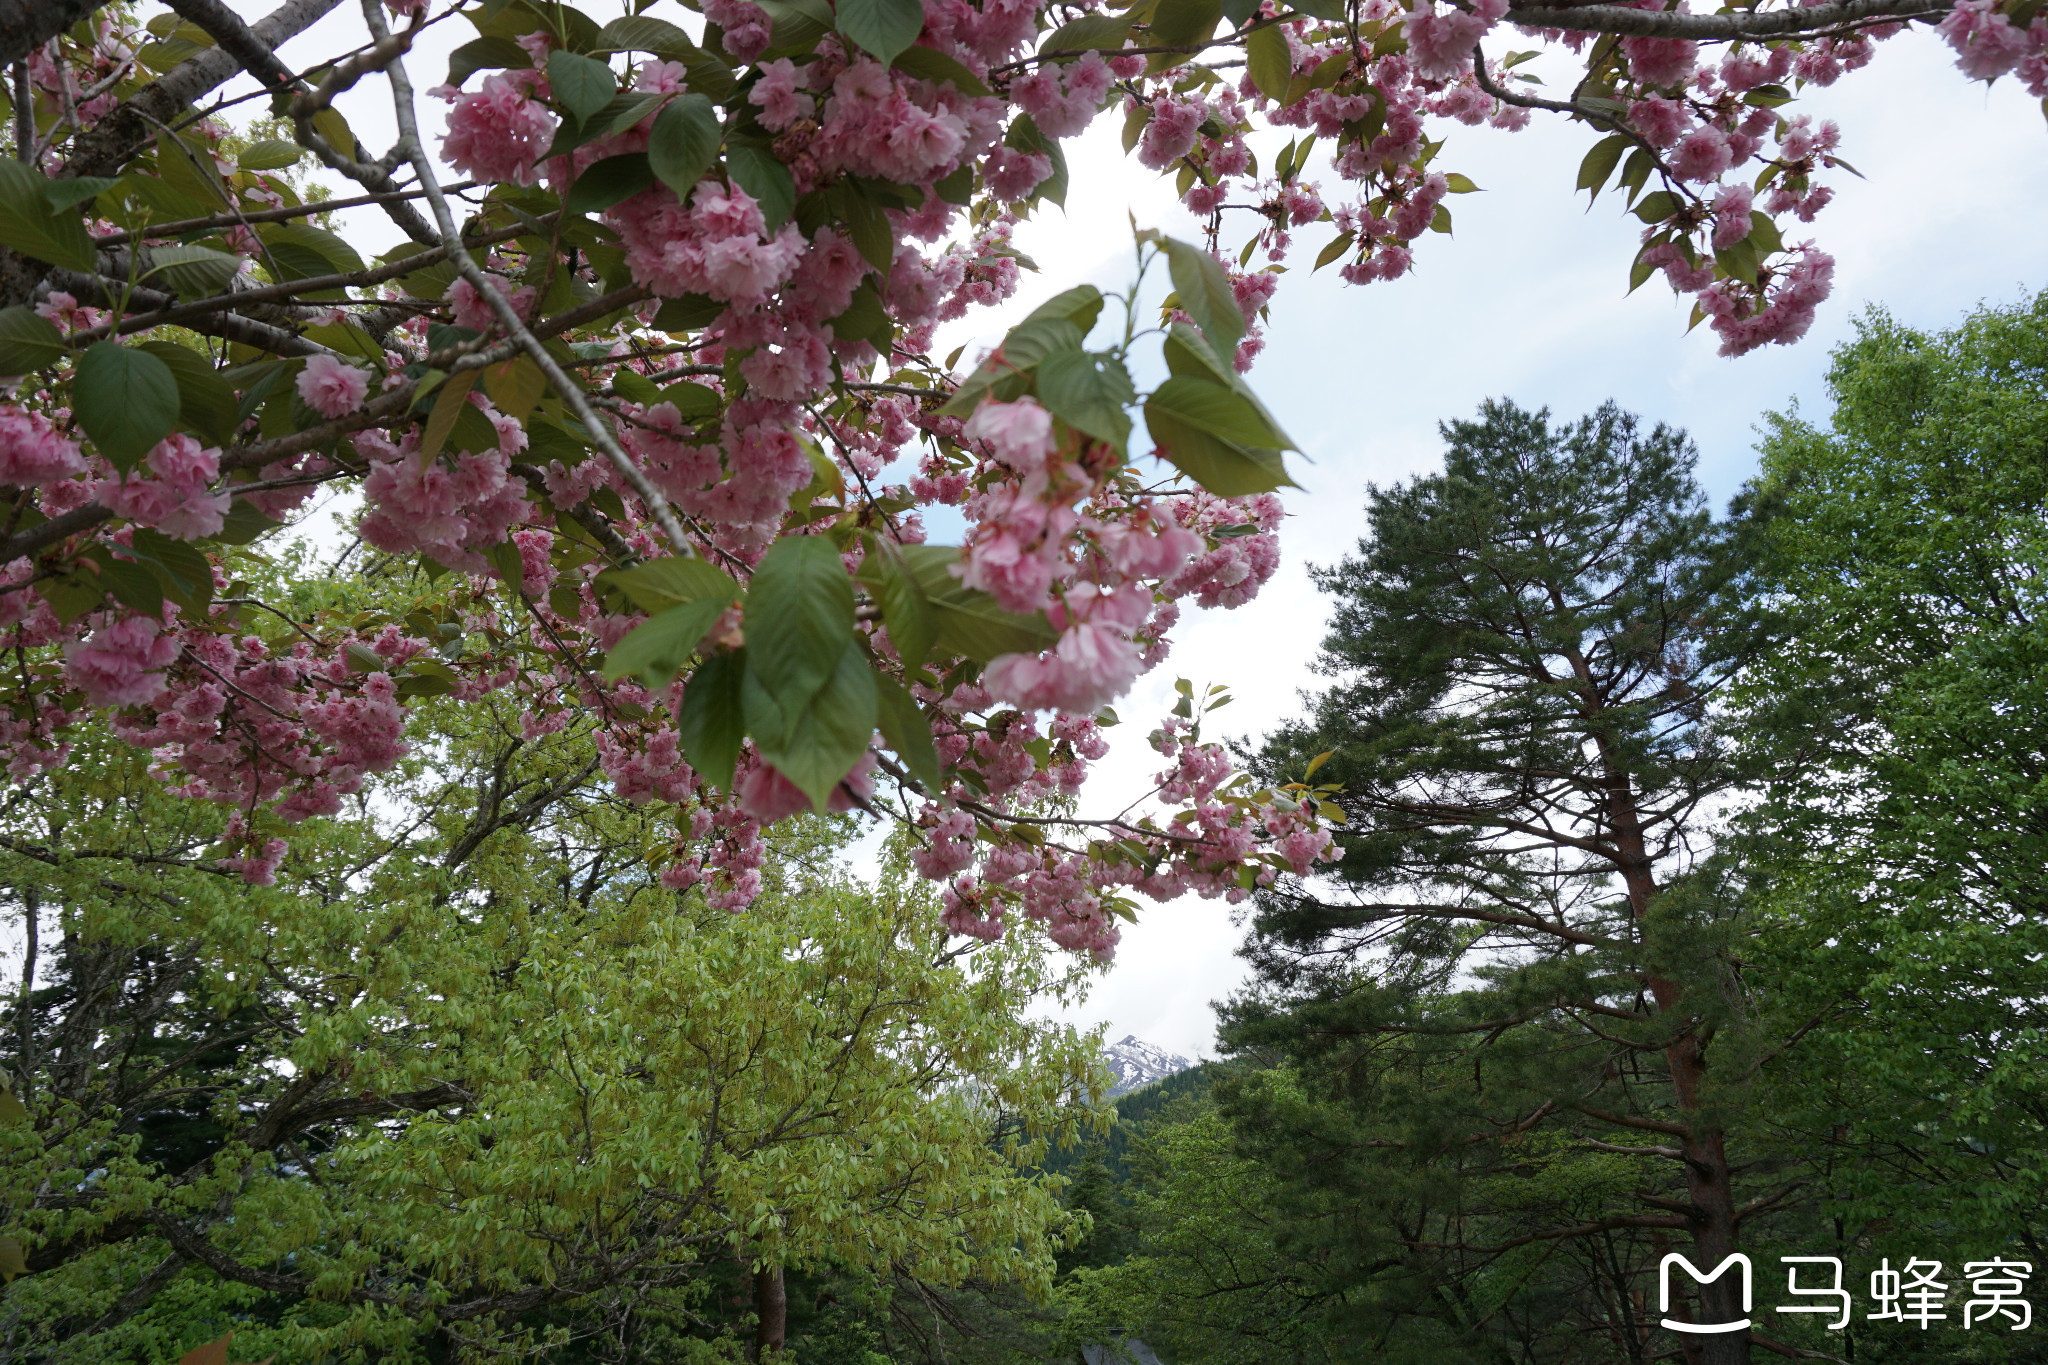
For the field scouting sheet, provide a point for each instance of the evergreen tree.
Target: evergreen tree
(1516, 1009)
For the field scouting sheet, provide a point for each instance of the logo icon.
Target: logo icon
(1736, 1259)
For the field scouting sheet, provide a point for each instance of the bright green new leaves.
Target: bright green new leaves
(1089, 393)
(684, 143)
(126, 399)
(882, 28)
(32, 225)
(27, 342)
(1205, 294)
(581, 85)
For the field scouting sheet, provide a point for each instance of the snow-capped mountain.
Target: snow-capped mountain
(1137, 1063)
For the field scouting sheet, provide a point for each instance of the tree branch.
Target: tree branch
(1732, 26)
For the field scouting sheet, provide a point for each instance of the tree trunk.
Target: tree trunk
(771, 1312)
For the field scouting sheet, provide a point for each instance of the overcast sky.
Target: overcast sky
(1527, 301)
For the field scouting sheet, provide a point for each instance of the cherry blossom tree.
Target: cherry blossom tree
(622, 402)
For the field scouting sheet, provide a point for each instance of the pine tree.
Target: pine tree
(1516, 1011)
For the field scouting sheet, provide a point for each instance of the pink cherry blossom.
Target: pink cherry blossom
(121, 664)
(31, 450)
(498, 133)
(331, 387)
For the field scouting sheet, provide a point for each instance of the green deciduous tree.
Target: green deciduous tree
(469, 1080)
(1904, 720)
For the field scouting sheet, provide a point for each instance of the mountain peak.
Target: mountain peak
(1136, 1063)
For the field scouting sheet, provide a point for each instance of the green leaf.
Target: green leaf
(130, 584)
(711, 724)
(30, 225)
(1205, 293)
(755, 170)
(684, 143)
(1217, 436)
(635, 387)
(126, 399)
(968, 621)
(1460, 183)
(610, 181)
(906, 611)
(958, 186)
(13, 1113)
(27, 342)
(1080, 305)
(184, 570)
(865, 319)
(929, 64)
(206, 402)
(799, 618)
(1339, 244)
(908, 731)
(1219, 410)
(1601, 161)
(1182, 23)
(581, 85)
(1269, 61)
(1090, 33)
(687, 312)
(1089, 393)
(656, 649)
(820, 744)
(1025, 136)
(481, 54)
(300, 251)
(882, 28)
(1657, 205)
(193, 272)
(693, 402)
(449, 402)
(660, 584)
(867, 227)
(271, 154)
(641, 33)
(70, 193)
(1029, 342)
(244, 524)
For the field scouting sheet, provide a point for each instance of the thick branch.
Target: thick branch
(26, 25)
(236, 39)
(1734, 25)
